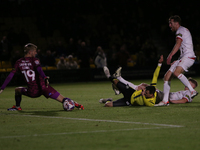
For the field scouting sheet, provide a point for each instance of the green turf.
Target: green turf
(43, 124)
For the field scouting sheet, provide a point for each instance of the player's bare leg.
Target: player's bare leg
(115, 81)
(60, 98)
(109, 104)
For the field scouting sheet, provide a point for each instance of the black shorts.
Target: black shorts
(127, 92)
(121, 102)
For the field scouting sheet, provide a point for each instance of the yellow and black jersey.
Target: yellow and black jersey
(138, 99)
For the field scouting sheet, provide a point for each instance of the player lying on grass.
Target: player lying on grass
(183, 96)
(142, 95)
(37, 82)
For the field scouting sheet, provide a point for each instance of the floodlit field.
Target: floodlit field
(43, 124)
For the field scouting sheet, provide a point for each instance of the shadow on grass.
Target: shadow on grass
(42, 113)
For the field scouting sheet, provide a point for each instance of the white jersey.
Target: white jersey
(180, 95)
(186, 48)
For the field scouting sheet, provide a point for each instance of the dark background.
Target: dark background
(142, 25)
(102, 22)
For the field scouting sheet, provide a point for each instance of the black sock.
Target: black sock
(18, 99)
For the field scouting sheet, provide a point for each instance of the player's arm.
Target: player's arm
(8, 79)
(121, 79)
(144, 84)
(46, 78)
(180, 101)
(174, 50)
(148, 102)
(141, 87)
(157, 71)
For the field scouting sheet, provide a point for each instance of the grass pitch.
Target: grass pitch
(43, 124)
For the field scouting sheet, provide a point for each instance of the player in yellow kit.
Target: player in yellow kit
(140, 95)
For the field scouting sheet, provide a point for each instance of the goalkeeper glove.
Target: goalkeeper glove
(46, 80)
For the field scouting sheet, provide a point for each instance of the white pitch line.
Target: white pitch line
(97, 131)
(81, 132)
(112, 121)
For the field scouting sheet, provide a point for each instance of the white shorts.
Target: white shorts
(185, 63)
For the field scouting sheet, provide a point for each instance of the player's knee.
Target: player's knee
(178, 71)
(17, 91)
(109, 104)
(115, 81)
(168, 76)
(176, 74)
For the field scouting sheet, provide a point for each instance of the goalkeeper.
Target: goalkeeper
(37, 82)
(142, 95)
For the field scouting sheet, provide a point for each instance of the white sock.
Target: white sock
(166, 90)
(185, 81)
(126, 82)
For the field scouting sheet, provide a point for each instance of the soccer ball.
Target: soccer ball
(68, 105)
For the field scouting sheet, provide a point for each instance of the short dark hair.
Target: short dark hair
(151, 89)
(176, 18)
(29, 47)
(193, 81)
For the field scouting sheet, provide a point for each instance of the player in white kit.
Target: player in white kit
(186, 60)
(179, 97)
(183, 96)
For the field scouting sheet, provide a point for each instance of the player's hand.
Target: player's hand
(141, 88)
(143, 92)
(144, 84)
(169, 58)
(161, 59)
(1, 91)
(46, 80)
(173, 62)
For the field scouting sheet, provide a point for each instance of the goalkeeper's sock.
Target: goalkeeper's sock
(18, 99)
(55, 95)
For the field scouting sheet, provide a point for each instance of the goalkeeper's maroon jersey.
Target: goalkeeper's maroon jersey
(27, 66)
